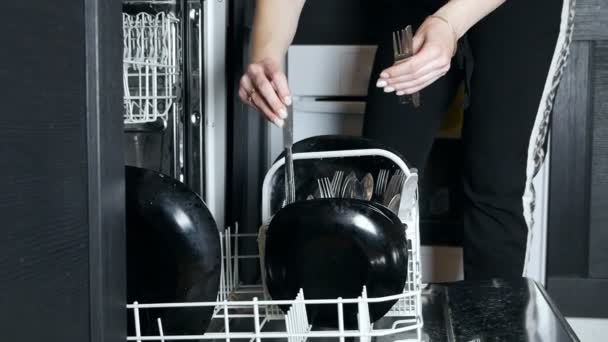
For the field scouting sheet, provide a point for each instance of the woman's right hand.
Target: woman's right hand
(264, 87)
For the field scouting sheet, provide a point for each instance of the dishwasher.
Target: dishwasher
(166, 130)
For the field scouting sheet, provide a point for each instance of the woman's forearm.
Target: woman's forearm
(274, 26)
(463, 14)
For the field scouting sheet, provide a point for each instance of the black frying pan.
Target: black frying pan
(173, 252)
(332, 248)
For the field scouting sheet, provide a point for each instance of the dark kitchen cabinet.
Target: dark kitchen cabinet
(577, 251)
(62, 269)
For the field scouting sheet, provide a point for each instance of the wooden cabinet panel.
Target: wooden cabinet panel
(569, 183)
(577, 257)
(591, 20)
(61, 172)
(598, 238)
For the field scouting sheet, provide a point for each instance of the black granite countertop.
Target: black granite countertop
(516, 310)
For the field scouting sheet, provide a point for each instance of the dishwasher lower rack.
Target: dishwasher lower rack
(244, 312)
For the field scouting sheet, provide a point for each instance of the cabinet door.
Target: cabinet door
(61, 172)
(577, 255)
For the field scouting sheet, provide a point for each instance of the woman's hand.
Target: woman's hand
(264, 87)
(434, 46)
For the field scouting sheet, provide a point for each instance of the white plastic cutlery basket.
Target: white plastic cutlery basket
(246, 312)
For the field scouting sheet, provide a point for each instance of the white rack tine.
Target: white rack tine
(304, 312)
(229, 260)
(222, 292)
(364, 319)
(256, 314)
(299, 325)
(301, 321)
(160, 329)
(341, 319)
(137, 324)
(226, 322)
(289, 325)
(236, 250)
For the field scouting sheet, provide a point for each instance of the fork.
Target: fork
(403, 48)
(382, 182)
(394, 186)
(325, 189)
(337, 182)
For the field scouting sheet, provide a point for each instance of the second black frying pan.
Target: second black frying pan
(332, 248)
(173, 252)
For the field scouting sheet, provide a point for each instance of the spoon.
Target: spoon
(368, 186)
(393, 205)
(358, 190)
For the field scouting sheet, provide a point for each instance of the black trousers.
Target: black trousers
(510, 61)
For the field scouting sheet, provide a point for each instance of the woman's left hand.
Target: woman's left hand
(434, 46)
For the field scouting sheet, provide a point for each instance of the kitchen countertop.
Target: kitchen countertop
(516, 310)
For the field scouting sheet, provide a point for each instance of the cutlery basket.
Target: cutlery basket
(311, 165)
(246, 312)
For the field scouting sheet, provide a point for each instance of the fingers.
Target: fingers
(418, 84)
(418, 40)
(419, 87)
(249, 95)
(428, 54)
(430, 63)
(246, 84)
(279, 82)
(263, 107)
(425, 70)
(264, 87)
(244, 96)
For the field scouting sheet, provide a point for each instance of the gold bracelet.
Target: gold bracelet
(452, 28)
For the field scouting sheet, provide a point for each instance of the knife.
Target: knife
(290, 183)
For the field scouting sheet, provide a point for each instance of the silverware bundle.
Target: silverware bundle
(403, 48)
(386, 188)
